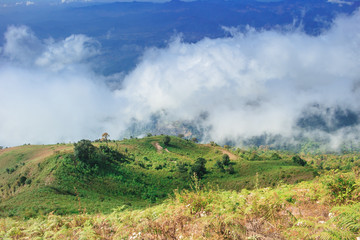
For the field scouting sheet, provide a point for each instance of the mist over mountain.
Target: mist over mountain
(249, 73)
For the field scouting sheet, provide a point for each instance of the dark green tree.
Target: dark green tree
(230, 169)
(166, 140)
(219, 164)
(226, 160)
(199, 168)
(182, 167)
(275, 156)
(298, 160)
(85, 152)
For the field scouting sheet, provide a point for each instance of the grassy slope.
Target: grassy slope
(147, 178)
(307, 210)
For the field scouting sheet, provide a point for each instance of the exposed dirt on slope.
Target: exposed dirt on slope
(224, 151)
(47, 152)
(159, 148)
(231, 155)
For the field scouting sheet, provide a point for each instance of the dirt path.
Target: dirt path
(159, 148)
(231, 155)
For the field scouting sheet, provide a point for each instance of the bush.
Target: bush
(275, 156)
(22, 180)
(166, 140)
(341, 188)
(230, 169)
(111, 155)
(219, 164)
(226, 160)
(182, 167)
(199, 168)
(254, 156)
(85, 152)
(10, 170)
(298, 160)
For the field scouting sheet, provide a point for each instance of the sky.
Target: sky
(249, 83)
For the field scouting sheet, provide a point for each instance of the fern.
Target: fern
(348, 217)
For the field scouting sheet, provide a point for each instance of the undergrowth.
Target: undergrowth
(303, 211)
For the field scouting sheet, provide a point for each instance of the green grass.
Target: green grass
(306, 210)
(147, 177)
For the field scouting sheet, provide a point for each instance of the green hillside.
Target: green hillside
(37, 180)
(161, 187)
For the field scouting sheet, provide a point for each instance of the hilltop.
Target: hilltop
(39, 179)
(146, 189)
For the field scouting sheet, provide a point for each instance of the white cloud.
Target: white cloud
(249, 84)
(21, 45)
(340, 2)
(73, 49)
(48, 93)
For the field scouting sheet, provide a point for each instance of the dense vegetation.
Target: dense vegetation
(170, 188)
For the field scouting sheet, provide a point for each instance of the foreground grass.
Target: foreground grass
(325, 208)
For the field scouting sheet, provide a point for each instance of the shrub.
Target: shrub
(275, 156)
(219, 164)
(182, 167)
(199, 168)
(10, 170)
(254, 156)
(230, 169)
(22, 180)
(110, 154)
(298, 160)
(341, 188)
(226, 160)
(85, 152)
(166, 140)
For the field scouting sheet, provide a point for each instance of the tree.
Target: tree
(219, 164)
(166, 140)
(84, 151)
(230, 169)
(226, 160)
(22, 180)
(199, 167)
(105, 136)
(195, 140)
(275, 156)
(298, 160)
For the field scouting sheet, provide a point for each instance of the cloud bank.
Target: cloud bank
(246, 85)
(48, 91)
(250, 83)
